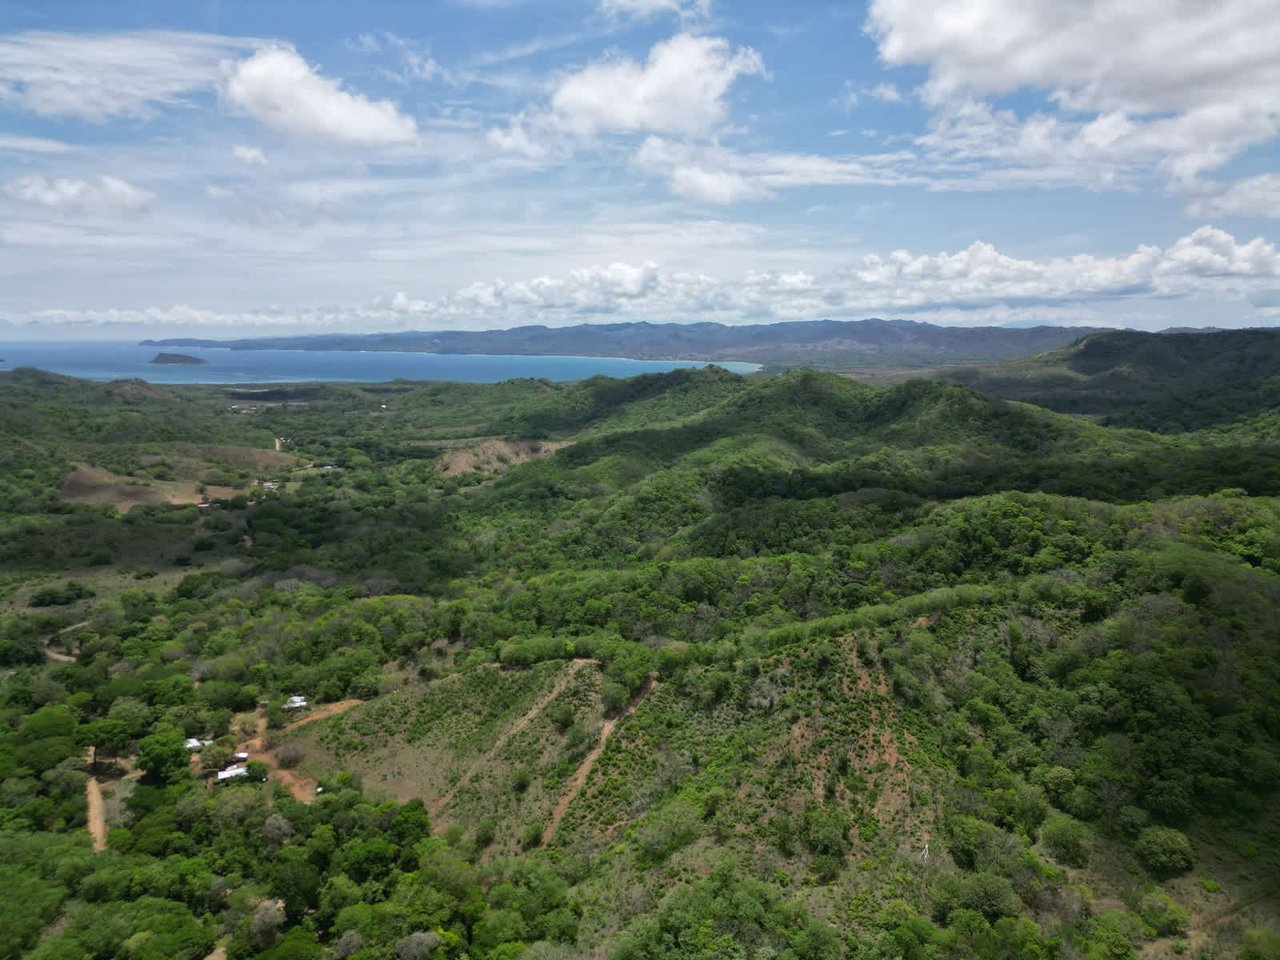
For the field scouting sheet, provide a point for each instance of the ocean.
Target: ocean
(116, 360)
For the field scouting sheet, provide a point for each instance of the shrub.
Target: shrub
(531, 835)
(290, 754)
(1064, 838)
(1132, 820)
(68, 593)
(1164, 851)
(1159, 912)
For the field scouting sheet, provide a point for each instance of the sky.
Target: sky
(225, 168)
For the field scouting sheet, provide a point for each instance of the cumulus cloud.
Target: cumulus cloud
(975, 285)
(252, 156)
(1193, 83)
(1251, 197)
(100, 195)
(280, 89)
(680, 89)
(98, 76)
(979, 277)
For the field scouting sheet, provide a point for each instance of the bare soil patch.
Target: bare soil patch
(323, 712)
(496, 456)
(98, 487)
(96, 818)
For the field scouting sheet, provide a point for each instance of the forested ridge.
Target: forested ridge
(688, 665)
(1157, 381)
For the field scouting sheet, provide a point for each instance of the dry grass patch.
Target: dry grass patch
(496, 456)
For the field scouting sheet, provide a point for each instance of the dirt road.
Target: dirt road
(579, 779)
(557, 688)
(97, 814)
(323, 713)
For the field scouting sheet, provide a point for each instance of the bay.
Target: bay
(116, 360)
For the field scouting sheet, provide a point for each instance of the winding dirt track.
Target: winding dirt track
(579, 780)
(54, 655)
(323, 713)
(556, 689)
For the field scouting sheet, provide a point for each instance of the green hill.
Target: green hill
(1170, 382)
(694, 665)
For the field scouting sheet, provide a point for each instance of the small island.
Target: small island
(181, 358)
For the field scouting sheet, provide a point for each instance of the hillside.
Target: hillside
(1171, 382)
(690, 665)
(821, 344)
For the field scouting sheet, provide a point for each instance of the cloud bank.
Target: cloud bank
(975, 285)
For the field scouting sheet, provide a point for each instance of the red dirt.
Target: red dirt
(96, 816)
(323, 713)
(302, 788)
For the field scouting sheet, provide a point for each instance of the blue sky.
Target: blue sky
(266, 167)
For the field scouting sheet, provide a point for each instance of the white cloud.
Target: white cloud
(277, 87)
(852, 94)
(978, 284)
(713, 174)
(100, 195)
(252, 156)
(705, 185)
(1188, 85)
(34, 145)
(978, 279)
(1251, 197)
(679, 89)
(98, 76)
(644, 9)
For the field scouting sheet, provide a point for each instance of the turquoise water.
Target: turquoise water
(114, 360)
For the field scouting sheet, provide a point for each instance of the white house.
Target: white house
(296, 703)
(191, 743)
(232, 773)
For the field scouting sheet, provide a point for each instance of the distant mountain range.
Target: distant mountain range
(842, 345)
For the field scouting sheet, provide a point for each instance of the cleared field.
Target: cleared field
(486, 743)
(495, 456)
(98, 487)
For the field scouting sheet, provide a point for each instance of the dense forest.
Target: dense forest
(1157, 381)
(689, 665)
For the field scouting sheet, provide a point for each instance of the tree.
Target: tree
(1064, 838)
(264, 927)
(109, 737)
(418, 945)
(1164, 851)
(163, 755)
(290, 754)
(276, 830)
(216, 756)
